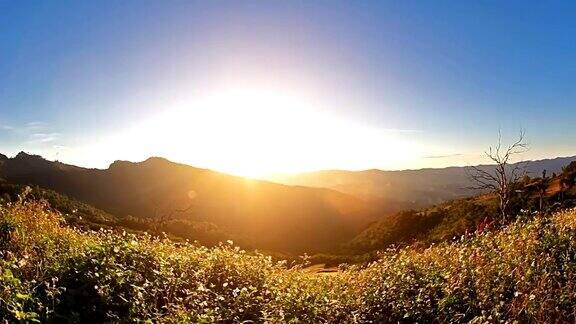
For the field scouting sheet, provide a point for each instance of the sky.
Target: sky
(259, 87)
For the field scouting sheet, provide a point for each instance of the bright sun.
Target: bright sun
(257, 132)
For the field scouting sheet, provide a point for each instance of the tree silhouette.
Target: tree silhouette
(503, 176)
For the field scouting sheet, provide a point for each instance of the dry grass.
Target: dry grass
(48, 271)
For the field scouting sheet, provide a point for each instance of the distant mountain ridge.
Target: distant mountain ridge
(311, 212)
(266, 215)
(399, 190)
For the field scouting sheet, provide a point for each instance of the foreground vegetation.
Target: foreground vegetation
(52, 272)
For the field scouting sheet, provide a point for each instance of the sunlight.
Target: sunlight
(259, 132)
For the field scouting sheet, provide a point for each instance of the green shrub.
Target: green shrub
(51, 272)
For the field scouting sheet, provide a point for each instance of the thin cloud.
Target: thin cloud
(36, 125)
(30, 127)
(399, 130)
(7, 128)
(37, 133)
(44, 137)
(443, 156)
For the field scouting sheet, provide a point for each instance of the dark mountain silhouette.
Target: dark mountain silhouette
(265, 215)
(393, 191)
(259, 214)
(3, 159)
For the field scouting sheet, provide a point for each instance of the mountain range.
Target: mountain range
(393, 191)
(261, 214)
(310, 212)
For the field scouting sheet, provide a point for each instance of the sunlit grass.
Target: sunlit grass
(49, 271)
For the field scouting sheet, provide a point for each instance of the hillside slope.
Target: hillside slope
(75, 212)
(456, 217)
(407, 189)
(525, 273)
(263, 215)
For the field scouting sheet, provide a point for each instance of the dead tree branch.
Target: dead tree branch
(500, 178)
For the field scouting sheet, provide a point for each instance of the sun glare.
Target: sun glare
(258, 132)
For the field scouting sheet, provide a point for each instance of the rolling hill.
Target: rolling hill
(457, 217)
(259, 214)
(524, 272)
(394, 191)
(75, 212)
(339, 208)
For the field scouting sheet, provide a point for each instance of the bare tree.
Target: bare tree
(503, 176)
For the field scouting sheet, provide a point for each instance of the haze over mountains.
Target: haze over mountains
(264, 215)
(398, 190)
(311, 212)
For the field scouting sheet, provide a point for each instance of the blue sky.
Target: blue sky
(440, 77)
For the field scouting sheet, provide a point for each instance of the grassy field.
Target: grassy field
(52, 272)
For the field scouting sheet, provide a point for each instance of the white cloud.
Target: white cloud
(443, 156)
(44, 137)
(398, 130)
(35, 125)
